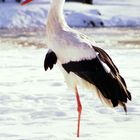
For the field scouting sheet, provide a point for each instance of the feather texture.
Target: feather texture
(109, 84)
(106, 59)
(80, 59)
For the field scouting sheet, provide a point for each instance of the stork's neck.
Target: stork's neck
(55, 16)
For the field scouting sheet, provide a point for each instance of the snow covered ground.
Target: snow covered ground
(36, 105)
(103, 13)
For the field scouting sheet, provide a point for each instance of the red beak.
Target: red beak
(26, 2)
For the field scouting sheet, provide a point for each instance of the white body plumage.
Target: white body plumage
(68, 44)
(72, 46)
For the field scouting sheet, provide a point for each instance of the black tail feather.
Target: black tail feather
(106, 59)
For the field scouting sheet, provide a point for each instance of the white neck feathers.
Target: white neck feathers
(55, 16)
(57, 5)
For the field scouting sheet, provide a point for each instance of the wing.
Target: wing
(104, 57)
(111, 85)
(50, 60)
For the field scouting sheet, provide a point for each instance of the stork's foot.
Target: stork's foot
(79, 109)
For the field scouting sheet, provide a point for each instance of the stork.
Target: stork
(82, 62)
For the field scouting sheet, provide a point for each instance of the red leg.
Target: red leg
(79, 109)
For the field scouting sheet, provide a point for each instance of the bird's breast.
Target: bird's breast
(67, 51)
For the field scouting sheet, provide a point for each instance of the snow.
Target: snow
(36, 105)
(103, 13)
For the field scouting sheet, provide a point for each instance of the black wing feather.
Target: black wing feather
(111, 84)
(50, 60)
(106, 59)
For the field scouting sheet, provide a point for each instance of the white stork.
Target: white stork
(82, 62)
